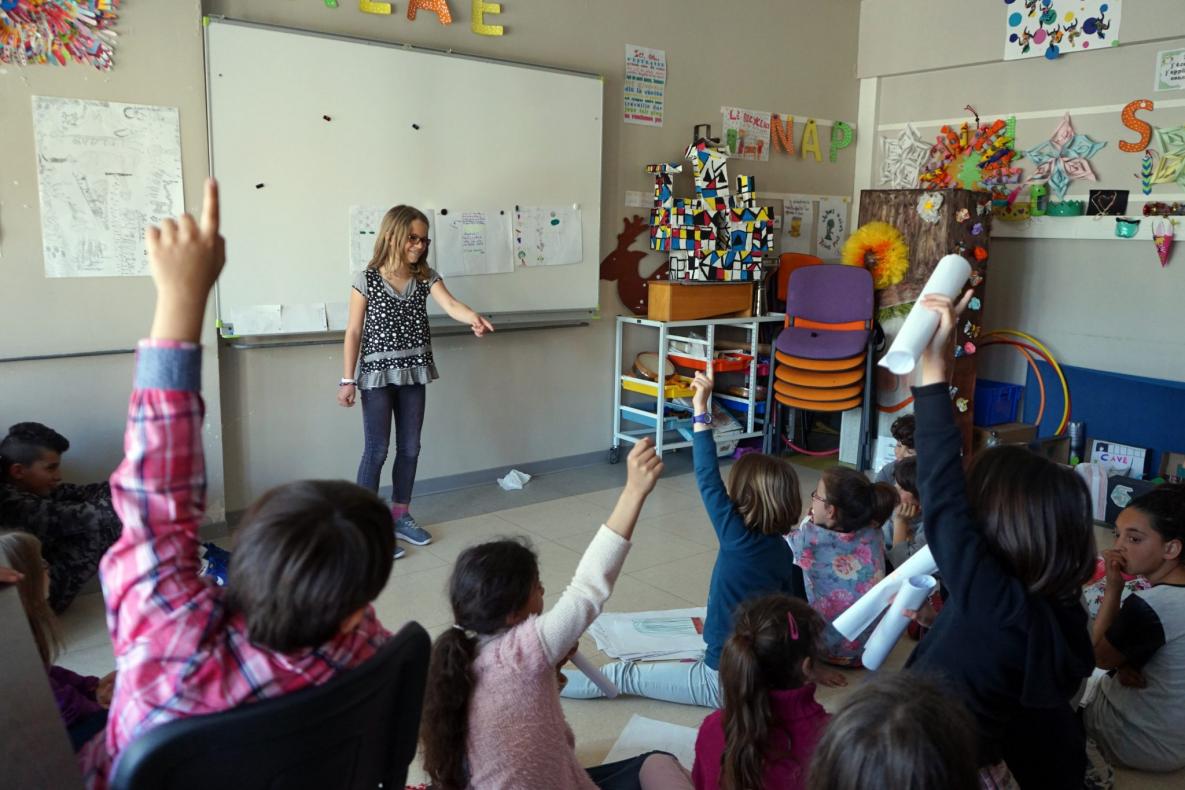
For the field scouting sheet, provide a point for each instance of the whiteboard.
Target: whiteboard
(305, 127)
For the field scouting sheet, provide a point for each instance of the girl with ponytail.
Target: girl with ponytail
(766, 732)
(841, 550)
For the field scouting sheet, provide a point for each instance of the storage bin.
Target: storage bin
(996, 402)
(676, 387)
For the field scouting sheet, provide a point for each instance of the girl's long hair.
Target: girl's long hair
(392, 235)
(490, 582)
(771, 637)
(22, 552)
(858, 502)
(765, 491)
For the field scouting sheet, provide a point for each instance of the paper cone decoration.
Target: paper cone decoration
(1162, 234)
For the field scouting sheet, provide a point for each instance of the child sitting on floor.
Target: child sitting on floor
(909, 533)
(841, 550)
(898, 731)
(766, 732)
(76, 524)
(1138, 715)
(82, 701)
(492, 717)
(310, 556)
(750, 518)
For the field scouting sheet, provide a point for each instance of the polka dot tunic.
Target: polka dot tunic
(396, 339)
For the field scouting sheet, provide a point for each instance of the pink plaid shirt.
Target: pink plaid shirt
(178, 651)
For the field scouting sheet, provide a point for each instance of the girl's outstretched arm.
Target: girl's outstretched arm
(459, 311)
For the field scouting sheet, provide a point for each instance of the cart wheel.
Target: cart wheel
(614, 454)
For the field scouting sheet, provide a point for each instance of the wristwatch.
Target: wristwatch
(344, 382)
(703, 419)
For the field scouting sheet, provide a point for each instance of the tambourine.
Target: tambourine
(646, 366)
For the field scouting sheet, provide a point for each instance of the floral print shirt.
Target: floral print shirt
(838, 568)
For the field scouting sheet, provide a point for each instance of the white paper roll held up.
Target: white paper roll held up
(910, 595)
(607, 686)
(860, 615)
(948, 278)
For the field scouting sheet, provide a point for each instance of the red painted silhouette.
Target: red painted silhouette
(621, 266)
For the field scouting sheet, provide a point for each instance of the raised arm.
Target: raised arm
(159, 489)
(721, 512)
(561, 626)
(459, 311)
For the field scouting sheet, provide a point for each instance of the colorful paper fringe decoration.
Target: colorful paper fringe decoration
(977, 157)
(58, 31)
(880, 248)
(1146, 174)
(714, 236)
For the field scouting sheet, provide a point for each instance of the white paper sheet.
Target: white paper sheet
(643, 735)
(798, 226)
(469, 242)
(259, 319)
(749, 138)
(948, 279)
(645, 85)
(860, 615)
(831, 229)
(653, 636)
(910, 595)
(593, 673)
(336, 315)
(547, 235)
(1033, 29)
(364, 228)
(303, 318)
(106, 171)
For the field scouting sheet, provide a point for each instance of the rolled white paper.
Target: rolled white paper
(948, 278)
(607, 686)
(910, 595)
(860, 615)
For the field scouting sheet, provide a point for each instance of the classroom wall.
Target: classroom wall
(1105, 305)
(524, 397)
(158, 61)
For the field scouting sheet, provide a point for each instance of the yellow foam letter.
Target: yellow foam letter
(438, 7)
(810, 140)
(369, 7)
(480, 8)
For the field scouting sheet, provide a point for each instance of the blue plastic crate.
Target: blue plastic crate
(996, 402)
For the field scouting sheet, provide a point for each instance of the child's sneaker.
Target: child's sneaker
(400, 552)
(407, 530)
(214, 561)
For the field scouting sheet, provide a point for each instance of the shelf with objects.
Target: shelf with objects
(743, 391)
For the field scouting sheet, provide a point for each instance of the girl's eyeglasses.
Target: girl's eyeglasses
(815, 496)
(415, 240)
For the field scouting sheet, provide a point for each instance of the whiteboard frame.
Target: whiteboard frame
(529, 318)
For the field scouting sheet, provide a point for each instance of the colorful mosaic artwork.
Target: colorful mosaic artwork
(715, 236)
(58, 32)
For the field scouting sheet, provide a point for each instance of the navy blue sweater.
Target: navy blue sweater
(748, 564)
(1014, 658)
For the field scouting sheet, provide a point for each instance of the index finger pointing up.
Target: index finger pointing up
(210, 209)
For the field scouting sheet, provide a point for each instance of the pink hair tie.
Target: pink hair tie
(793, 626)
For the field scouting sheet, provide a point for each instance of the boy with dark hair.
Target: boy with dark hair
(312, 555)
(902, 430)
(908, 530)
(75, 523)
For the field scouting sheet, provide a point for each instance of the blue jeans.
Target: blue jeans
(406, 404)
(685, 682)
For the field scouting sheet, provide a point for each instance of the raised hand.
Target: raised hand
(703, 385)
(185, 259)
(936, 357)
(644, 468)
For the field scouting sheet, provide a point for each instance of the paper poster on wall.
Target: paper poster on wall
(105, 172)
(547, 235)
(832, 228)
(1170, 70)
(472, 242)
(1052, 28)
(798, 225)
(645, 85)
(746, 133)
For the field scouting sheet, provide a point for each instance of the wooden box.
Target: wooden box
(675, 301)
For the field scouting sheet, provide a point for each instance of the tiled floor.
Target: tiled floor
(668, 567)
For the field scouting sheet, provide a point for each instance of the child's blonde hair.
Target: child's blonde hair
(764, 490)
(22, 552)
(392, 235)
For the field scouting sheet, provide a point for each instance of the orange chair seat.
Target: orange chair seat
(811, 378)
(818, 394)
(838, 405)
(819, 364)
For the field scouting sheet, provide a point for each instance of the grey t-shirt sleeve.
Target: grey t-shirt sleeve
(433, 278)
(359, 283)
